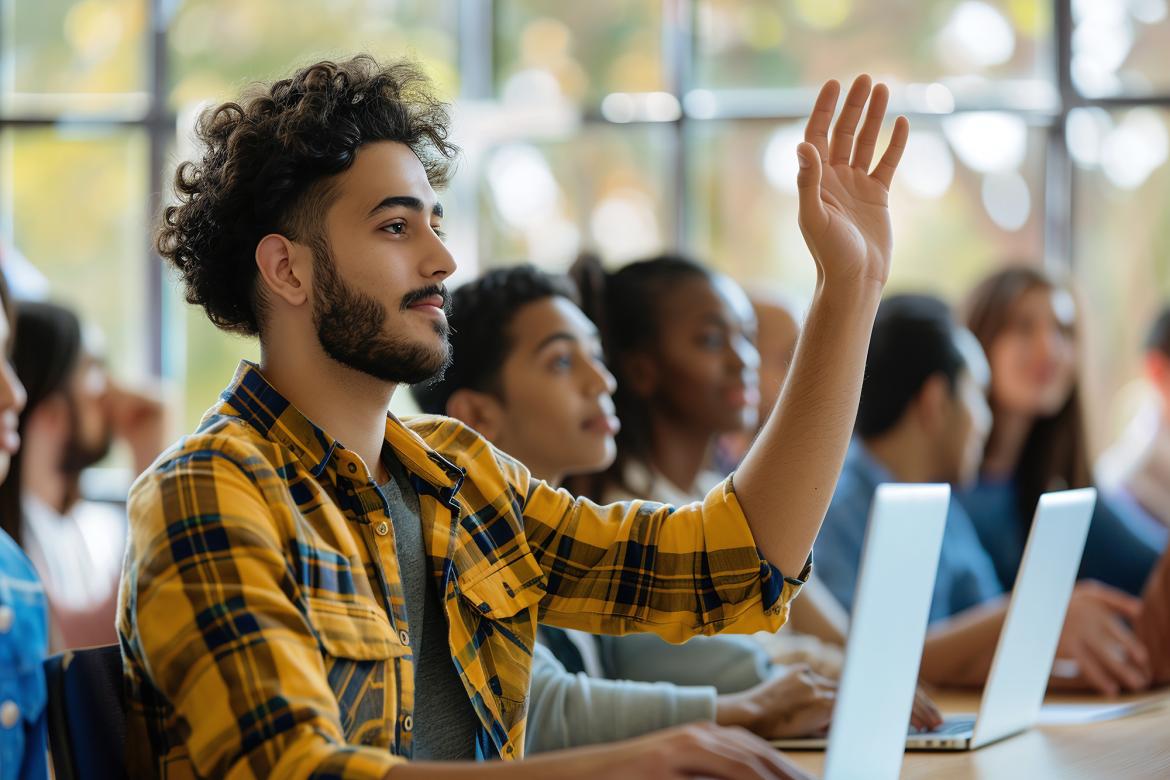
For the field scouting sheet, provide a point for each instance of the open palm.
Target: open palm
(844, 207)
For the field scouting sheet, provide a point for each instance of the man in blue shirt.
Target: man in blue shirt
(923, 417)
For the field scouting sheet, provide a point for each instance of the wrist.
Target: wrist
(732, 710)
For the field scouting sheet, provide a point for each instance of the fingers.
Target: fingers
(843, 132)
(868, 137)
(884, 172)
(734, 753)
(816, 132)
(925, 714)
(1129, 606)
(1094, 674)
(808, 187)
(1128, 646)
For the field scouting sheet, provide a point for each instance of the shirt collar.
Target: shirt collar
(254, 401)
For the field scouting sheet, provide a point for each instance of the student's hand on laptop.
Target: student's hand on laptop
(1097, 638)
(925, 716)
(796, 703)
(844, 212)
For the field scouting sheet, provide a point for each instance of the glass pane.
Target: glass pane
(73, 55)
(1120, 48)
(579, 52)
(217, 46)
(74, 206)
(605, 189)
(1122, 249)
(968, 197)
(963, 43)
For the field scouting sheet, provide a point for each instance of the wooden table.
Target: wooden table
(1137, 746)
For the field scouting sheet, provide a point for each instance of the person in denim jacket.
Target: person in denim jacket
(24, 623)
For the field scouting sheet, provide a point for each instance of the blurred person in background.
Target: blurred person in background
(1026, 321)
(528, 374)
(24, 624)
(1135, 472)
(923, 417)
(75, 412)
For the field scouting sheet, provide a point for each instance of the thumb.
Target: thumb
(808, 185)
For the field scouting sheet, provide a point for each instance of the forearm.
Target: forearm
(787, 478)
(958, 651)
(817, 612)
(572, 710)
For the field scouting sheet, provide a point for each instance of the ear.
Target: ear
(640, 371)
(283, 269)
(481, 411)
(932, 405)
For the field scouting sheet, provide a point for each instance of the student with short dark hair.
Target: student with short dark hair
(314, 587)
(923, 417)
(528, 374)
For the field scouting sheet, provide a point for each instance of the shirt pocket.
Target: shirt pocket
(508, 589)
(357, 629)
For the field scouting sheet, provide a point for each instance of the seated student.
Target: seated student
(528, 375)
(73, 414)
(24, 628)
(923, 418)
(1135, 472)
(1026, 322)
(316, 588)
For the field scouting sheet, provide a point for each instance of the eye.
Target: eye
(442, 234)
(561, 364)
(395, 228)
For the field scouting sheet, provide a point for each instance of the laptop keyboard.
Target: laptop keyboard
(948, 728)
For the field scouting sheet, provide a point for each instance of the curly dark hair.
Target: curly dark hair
(481, 320)
(266, 168)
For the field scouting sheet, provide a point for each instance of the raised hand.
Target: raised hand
(844, 207)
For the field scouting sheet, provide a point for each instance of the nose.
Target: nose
(742, 354)
(12, 393)
(600, 380)
(438, 263)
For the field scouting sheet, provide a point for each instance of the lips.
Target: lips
(605, 424)
(9, 440)
(435, 301)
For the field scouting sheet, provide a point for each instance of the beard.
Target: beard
(79, 453)
(351, 327)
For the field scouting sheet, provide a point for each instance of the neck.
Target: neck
(42, 476)
(678, 451)
(905, 455)
(348, 405)
(1009, 434)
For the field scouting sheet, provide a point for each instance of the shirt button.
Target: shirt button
(405, 637)
(352, 468)
(6, 616)
(407, 723)
(382, 528)
(9, 714)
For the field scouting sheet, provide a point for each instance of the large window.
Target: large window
(1041, 131)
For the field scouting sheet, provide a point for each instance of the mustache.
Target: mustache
(414, 297)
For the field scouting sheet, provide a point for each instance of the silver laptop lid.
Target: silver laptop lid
(895, 584)
(1031, 631)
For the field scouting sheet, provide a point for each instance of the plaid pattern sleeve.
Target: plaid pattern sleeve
(629, 567)
(640, 566)
(220, 636)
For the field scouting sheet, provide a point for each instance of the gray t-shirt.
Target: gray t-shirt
(444, 721)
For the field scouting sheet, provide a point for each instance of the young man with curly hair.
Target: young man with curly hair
(315, 588)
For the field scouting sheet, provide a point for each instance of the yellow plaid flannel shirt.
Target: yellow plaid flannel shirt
(262, 620)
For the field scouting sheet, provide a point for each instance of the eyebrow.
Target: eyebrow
(405, 201)
(563, 336)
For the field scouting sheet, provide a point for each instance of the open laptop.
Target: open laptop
(895, 584)
(1031, 631)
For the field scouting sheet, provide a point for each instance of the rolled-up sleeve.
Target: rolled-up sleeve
(641, 566)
